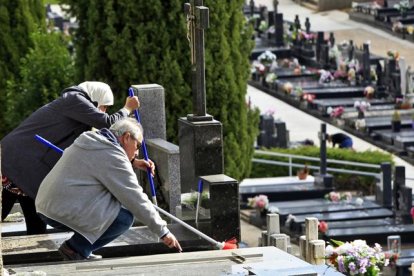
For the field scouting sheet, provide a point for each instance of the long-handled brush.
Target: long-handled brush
(230, 244)
(199, 193)
(145, 153)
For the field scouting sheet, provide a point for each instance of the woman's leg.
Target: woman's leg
(8, 200)
(34, 224)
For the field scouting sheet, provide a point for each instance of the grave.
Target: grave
(374, 230)
(273, 133)
(254, 261)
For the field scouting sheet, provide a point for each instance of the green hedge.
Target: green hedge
(363, 184)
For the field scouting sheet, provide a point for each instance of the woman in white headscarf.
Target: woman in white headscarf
(25, 162)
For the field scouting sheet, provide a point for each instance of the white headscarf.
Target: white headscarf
(98, 92)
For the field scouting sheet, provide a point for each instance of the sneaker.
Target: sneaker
(69, 254)
(93, 257)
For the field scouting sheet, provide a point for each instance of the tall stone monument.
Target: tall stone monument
(200, 136)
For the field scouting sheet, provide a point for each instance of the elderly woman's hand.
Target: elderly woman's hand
(143, 165)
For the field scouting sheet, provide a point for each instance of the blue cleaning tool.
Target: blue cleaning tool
(145, 153)
(199, 193)
(49, 144)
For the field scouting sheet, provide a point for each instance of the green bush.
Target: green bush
(364, 184)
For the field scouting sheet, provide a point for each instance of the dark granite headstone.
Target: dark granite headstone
(323, 178)
(307, 25)
(279, 30)
(201, 151)
(320, 40)
(383, 193)
(366, 66)
(224, 206)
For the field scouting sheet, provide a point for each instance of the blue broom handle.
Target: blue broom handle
(145, 153)
(49, 144)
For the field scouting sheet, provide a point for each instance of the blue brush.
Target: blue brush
(145, 153)
(49, 144)
(199, 192)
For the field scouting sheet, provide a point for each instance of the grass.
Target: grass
(51, 2)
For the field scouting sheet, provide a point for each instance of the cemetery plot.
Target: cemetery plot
(281, 188)
(136, 241)
(323, 206)
(384, 122)
(372, 233)
(322, 105)
(389, 136)
(296, 225)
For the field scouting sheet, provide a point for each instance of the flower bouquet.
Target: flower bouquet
(266, 58)
(260, 202)
(337, 197)
(356, 258)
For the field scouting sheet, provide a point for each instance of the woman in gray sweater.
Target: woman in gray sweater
(25, 162)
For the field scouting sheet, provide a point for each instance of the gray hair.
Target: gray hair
(130, 125)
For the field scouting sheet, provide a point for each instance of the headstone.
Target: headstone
(366, 65)
(200, 137)
(332, 39)
(152, 99)
(307, 25)
(166, 157)
(351, 50)
(279, 30)
(410, 80)
(403, 75)
(275, 5)
(273, 225)
(324, 56)
(224, 206)
(297, 22)
(383, 193)
(251, 8)
(323, 178)
(320, 40)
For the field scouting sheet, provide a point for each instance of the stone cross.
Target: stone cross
(307, 25)
(197, 22)
(275, 4)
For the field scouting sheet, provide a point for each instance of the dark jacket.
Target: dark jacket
(339, 138)
(26, 161)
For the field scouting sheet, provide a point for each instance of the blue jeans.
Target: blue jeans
(347, 143)
(81, 245)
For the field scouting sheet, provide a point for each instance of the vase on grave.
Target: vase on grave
(396, 126)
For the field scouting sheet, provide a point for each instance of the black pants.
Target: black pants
(34, 224)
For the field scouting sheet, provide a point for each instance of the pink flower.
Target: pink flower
(412, 212)
(323, 226)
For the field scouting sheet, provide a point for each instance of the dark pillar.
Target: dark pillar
(383, 194)
(224, 206)
(366, 73)
(279, 30)
(323, 178)
(201, 151)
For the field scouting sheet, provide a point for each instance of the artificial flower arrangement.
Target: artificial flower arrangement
(325, 76)
(322, 227)
(337, 197)
(356, 258)
(403, 6)
(266, 58)
(308, 97)
(271, 78)
(369, 92)
(392, 54)
(336, 112)
(288, 87)
(362, 106)
(260, 202)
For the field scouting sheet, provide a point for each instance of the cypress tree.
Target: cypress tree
(18, 19)
(134, 42)
(45, 70)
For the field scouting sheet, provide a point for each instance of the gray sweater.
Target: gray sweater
(25, 161)
(89, 184)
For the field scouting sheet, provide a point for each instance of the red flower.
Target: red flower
(323, 226)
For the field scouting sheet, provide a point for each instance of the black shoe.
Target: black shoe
(69, 254)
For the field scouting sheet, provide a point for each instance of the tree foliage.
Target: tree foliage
(45, 70)
(126, 42)
(18, 19)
